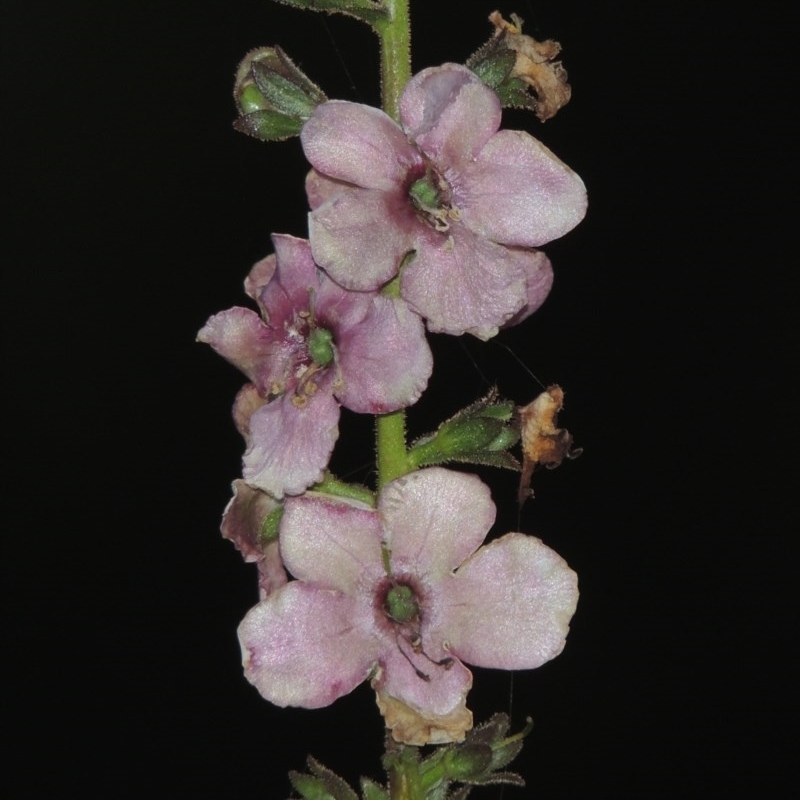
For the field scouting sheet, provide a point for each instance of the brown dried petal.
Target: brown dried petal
(535, 66)
(409, 726)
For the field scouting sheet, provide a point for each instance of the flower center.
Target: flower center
(401, 607)
(314, 350)
(431, 197)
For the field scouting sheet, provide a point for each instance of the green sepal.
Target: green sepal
(503, 749)
(270, 526)
(365, 10)
(268, 126)
(330, 484)
(321, 784)
(492, 64)
(373, 791)
(273, 96)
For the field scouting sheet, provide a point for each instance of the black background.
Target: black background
(136, 212)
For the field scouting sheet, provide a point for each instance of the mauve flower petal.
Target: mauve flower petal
(519, 193)
(243, 518)
(241, 338)
(331, 543)
(463, 283)
(538, 282)
(271, 574)
(247, 402)
(288, 446)
(260, 275)
(434, 519)
(439, 695)
(339, 310)
(358, 144)
(385, 361)
(303, 646)
(360, 236)
(509, 606)
(450, 113)
(288, 292)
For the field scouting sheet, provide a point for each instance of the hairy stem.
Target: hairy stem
(394, 33)
(395, 37)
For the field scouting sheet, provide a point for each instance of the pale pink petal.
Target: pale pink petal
(519, 193)
(241, 338)
(538, 282)
(243, 518)
(320, 189)
(304, 646)
(260, 275)
(331, 543)
(464, 284)
(289, 445)
(434, 519)
(439, 695)
(361, 236)
(385, 361)
(509, 606)
(358, 144)
(449, 113)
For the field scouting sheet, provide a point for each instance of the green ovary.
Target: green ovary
(320, 346)
(401, 605)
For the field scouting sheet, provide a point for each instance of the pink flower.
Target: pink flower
(402, 594)
(466, 199)
(316, 345)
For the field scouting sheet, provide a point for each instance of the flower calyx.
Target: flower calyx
(521, 69)
(474, 762)
(481, 433)
(274, 97)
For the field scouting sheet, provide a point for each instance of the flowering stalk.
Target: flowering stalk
(423, 215)
(394, 33)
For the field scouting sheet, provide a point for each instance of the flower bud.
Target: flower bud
(273, 96)
(478, 434)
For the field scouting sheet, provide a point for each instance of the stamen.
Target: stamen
(415, 640)
(420, 674)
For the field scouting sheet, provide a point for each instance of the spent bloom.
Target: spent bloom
(403, 594)
(314, 346)
(245, 523)
(468, 200)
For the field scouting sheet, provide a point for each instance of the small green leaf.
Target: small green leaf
(372, 791)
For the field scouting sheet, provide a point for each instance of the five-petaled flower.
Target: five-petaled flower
(469, 202)
(403, 594)
(316, 345)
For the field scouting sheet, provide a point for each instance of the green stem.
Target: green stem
(390, 440)
(394, 33)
